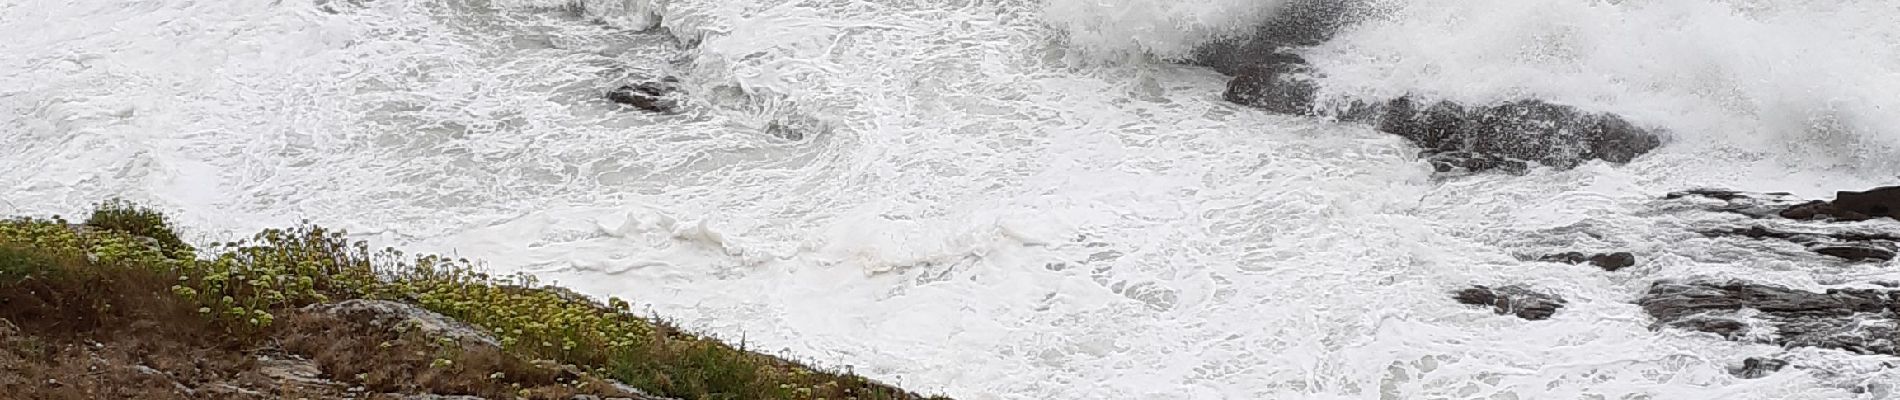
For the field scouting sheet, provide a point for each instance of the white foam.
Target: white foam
(979, 205)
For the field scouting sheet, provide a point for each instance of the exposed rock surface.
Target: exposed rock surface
(1847, 245)
(403, 317)
(1847, 205)
(1826, 239)
(1512, 300)
(1302, 23)
(1606, 261)
(1513, 134)
(655, 96)
(1508, 136)
(1857, 320)
(1851, 206)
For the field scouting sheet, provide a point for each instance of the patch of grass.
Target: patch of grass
(244, 287)
(138, 221)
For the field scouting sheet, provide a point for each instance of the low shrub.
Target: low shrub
(243, 286)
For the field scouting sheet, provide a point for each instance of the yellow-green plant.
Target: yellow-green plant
(244, 284)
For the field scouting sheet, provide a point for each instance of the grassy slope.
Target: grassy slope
(250, 291)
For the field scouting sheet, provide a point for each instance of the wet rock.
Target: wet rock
(1668, 300)
(1856, 252)
(1726, 327)
(1818, 209)
(1524, 131)
(1608, 262)
(1857, 320)
(1881, 202)
(656, 96)
(1755, 367)
(1507, 136)
(1752, 204)
(1853, 246)
(1877, 202)
(1279, 84)
(1718, 194)
(1512, 300)
(1303, 23)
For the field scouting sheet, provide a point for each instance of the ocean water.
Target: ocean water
(997, 199)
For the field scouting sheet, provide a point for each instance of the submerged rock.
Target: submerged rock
(1755, 367)
(656, 96)
(1512, 300)
(1279, 82)
(1607, 261)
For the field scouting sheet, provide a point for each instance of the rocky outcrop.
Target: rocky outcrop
(1883, 202)
(404, 317)
(1846, 243)
(655, 96)
(1607, 261)
(1856, 320)
(1514, 134)
(1302, 23)
(1512, 300)
(1509, 136)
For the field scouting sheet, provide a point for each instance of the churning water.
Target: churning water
(993, 199)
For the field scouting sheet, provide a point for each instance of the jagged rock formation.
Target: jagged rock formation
(1857, 320)
(1299, 24)
(1512, 300)
(1849, 245)
(655, 96)
(1507, 136)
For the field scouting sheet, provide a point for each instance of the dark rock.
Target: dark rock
(1856, 252)
(1280, 84)
(1850, 206)
(655, 96)
(1756, 205)
(1874, 203)
(1609, 262)
(1302, 23)
(1670, 300)
(1857, 320)
(1512, 300)
(1853, 246)
(1728, 328)
(1614, 261)
(1718, 194)
(1508, 136)
(1523, 131)
(1810, 210)
(1754, 367)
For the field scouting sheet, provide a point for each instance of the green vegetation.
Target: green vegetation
(244, 287)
